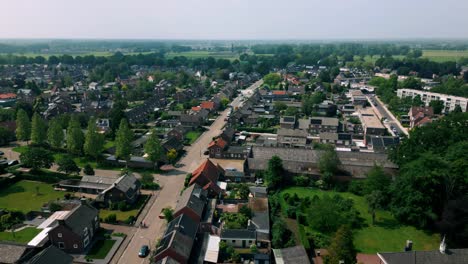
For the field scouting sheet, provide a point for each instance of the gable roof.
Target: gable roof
(51, 255)
(81, 217)
(207, 105)
(220, 142)
(206, 169)
(12, 253)
(295, 254)
(194, 197)
(127, 183)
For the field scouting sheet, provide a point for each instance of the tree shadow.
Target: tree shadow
(11, 190)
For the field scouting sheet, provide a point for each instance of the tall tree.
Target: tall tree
(153, 148)
(341, 247)
(274, 173)
(38, 129)
(328, 165)
(55, 134)
(94, 142)
(23, 126)
(37, 158)
(123, 140)
(75, 136)
(68, 165)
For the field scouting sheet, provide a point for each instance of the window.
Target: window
(75, 245)
(85, 231)
(61, 245)
(233, 241)
(86, 241)
(59, 234)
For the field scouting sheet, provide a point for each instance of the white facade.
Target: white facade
(450, 101)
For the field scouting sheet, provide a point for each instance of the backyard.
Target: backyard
(386, 235)
(100, 249)
(23, 236)
(124, 215)
(27, 196)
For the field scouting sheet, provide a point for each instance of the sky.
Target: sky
(234, 19)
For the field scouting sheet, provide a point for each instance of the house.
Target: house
(191, 120)
(74, 232)
(207, 175)
(178, 132)
(216, 148)
(15, 253)
(292, 138)
(178, 240)
(237, 176)
(338, 139)
(370, 122)
(381, 143)
(295, 254)
(288, 122)
(7, 99)
(239, 238)
(210, 106)
(420, 116)
(110, 189)
(316, 125)
(50, 255)
(228, 134)
(357, 97)
(172, 143)
(191, 203)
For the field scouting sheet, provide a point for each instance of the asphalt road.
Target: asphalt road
(385, 113)
(172, 183)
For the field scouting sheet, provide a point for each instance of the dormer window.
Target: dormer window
(59, 234)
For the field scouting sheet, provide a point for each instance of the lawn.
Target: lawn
(23, 236)
(100, 249)
(444, 55)
(386, 235)
(122, 216)
(20, 149)
(23, 196)
(192, 136)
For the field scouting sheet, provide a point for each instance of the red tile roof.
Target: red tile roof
(279, 92)
(218, 142)
(8, 96)
(207, 170)
(196, 108)
(207, 105)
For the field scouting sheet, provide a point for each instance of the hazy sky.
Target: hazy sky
(234, 19)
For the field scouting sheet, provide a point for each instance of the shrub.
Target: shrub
(301, 181)
(356, 187)
(150, 186)
(187, 179)
(122, 206)
(88, 170)
(131, 219)
(291, 212)
(112, 218)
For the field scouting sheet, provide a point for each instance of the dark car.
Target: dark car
(144, 251)
(1, 153)
(206, 152)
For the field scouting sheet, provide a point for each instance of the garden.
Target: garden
(318, 214)
(23, 236)
(122, 212)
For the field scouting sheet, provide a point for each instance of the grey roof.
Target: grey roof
(258, 191)
(233, 234)
(293, 154)
(51, 255)
(12, 253)
(230, 173)
(183, 224)
(81, 217)
(127, 183)
(194, 198)
(261, 220)
(328, 136)
(292, 132)
(180, 243)
(237, 150)
(295, 254)
(324, 121)
(452, 256)
(288, 120)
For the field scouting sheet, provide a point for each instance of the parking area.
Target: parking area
(229, 163)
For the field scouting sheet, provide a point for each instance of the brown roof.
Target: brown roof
(426, 110)
(207, 169)
(218, 142)
(8, 96)
(207, 105)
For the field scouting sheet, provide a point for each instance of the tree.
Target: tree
(274, 173)
(328, 165)
(224, 103)
(172, 156)
(377, 180)
(37, 158)
(75, 137)
(153, 148)
(123, 140)
(457, 109)
(88, 170)
(94, 142)
(38, 129)
(281, 237)
(437, 106)
(279, 106)
(341, 247)
(147, 177)
(291, 111)
(272, 79)
(168, 214)
(68, 165)
(23, 126)
(55, 134)
(375, 200)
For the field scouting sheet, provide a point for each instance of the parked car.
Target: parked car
(144, 250)
(206, 152)
(2, 153)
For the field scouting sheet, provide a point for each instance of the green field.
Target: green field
(386, 235)
(26, 196)
(192, 136)
(100, 249)
(203, 54)
(445, 55)
(122, 216)
(23, 236)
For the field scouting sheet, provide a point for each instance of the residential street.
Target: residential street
(382, 111)
(172, 184)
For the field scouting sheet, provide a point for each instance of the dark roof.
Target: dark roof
(451, 256)
(128, 184)
(51, 255)
(81, 217)
(194, 197)
(237, 234)
(182, 224)
(288, 119)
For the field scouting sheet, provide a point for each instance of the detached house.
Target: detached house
(419, 116)
(74, 231)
